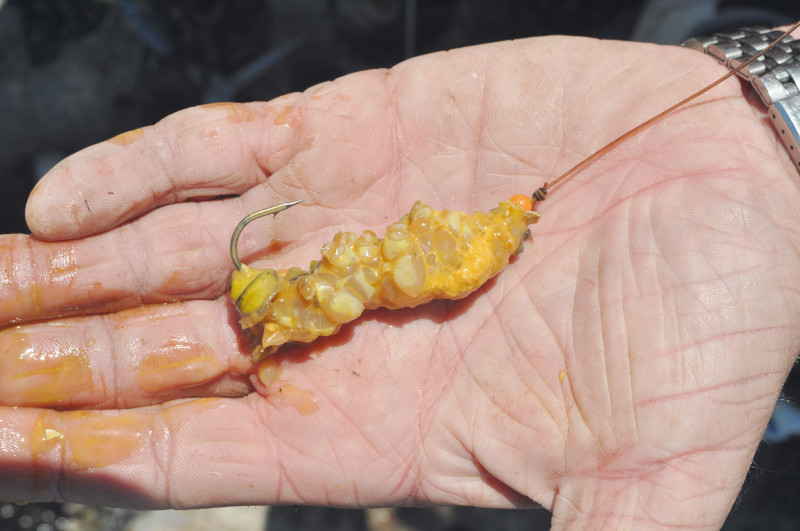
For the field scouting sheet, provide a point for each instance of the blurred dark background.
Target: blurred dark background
(75, 72)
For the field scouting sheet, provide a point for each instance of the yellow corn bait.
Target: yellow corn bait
(428, 254)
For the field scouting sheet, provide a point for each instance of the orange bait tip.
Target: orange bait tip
(522, 200)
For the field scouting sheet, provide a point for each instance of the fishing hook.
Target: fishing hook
(255, 215)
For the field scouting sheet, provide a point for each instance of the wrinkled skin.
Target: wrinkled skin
(619, 372)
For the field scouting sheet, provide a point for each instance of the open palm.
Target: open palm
(621, 369)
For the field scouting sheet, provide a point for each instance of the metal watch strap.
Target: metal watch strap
(775, 75)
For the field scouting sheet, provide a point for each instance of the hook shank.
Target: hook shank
(255, 215)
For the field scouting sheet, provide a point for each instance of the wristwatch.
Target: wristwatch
(775, 76)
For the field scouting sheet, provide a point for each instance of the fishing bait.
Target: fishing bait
(428, 254)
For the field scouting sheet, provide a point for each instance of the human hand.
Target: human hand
(621, 369)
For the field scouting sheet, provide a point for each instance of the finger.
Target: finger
(208, 151)
(127, 459)
(171, 254)
(137, 357)
(197, 453)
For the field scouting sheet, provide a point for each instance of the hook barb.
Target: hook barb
(255, 215)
